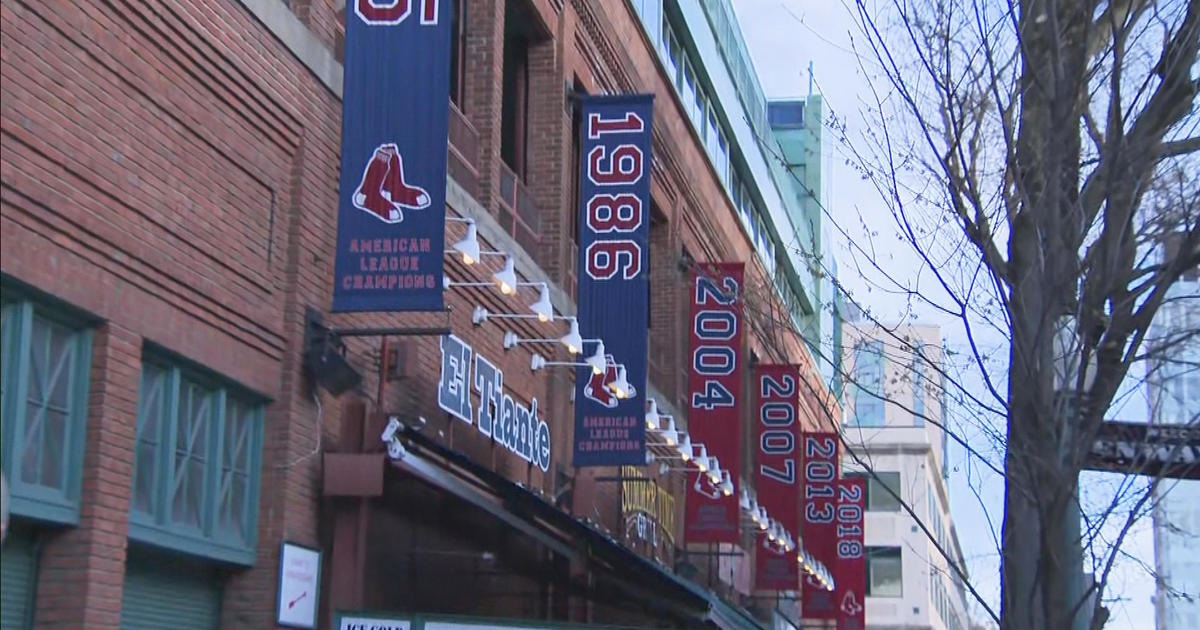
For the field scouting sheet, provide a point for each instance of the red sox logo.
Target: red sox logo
(776, 548)
(383, 191)
(850, 604)
(705, 486)
(598, 388)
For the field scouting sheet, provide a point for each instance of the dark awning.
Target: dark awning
(534, 515)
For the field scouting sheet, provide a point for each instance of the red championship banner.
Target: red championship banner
(850, 568)
(714, 397)
(777, 475)
(818, 524)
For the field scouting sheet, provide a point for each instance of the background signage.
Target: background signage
(850, 568)
(299, 583)
(777, 476)
(613, 284)
(648, 508)
(392, 193)
(714, 397)
(818, 521)
(516, 427)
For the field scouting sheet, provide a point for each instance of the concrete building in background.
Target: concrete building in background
(893, 411)
(1174, 390)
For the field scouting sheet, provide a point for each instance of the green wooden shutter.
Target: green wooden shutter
(18, 576)
(170, 592)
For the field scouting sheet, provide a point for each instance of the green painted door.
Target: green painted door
(18, 575)
(167, 591)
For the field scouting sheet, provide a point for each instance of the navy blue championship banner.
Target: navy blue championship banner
(614, 270)
(392, 194)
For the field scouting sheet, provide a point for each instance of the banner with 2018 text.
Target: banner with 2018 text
(714, 397)
(850, 569)
(613, 281)
(392, 192)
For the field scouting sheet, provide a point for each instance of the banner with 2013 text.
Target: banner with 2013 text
(818, 519)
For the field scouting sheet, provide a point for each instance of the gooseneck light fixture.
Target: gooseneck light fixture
(572, 340)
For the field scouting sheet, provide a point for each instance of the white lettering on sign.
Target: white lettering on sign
(612, 215)
(362, 623)
(393, 12)
(499, 416)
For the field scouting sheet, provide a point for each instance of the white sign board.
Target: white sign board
(365, 623)
(299, 580)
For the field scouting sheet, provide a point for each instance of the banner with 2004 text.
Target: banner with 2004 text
(714, 397)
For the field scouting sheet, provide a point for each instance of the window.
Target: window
(670, 49)
(723, 158)
(196, 468)
(868, 372)
(878, 497)
(514, 102)
(697, 112)
(43, 394)
(884, 572)
(688, 91)
(458, 50)
(918, 384)
(713, 134)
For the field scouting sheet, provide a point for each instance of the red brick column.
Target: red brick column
(82, 570)
(548, 159)
(483, 87)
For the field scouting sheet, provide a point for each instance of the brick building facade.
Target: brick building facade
(168, 186)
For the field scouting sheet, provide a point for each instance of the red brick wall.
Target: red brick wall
(172, 169)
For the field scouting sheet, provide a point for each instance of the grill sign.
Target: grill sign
(514, 426)
(819, 514)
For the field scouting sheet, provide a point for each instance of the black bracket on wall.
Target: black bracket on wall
(325, 359)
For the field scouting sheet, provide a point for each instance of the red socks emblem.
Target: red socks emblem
(383, 191)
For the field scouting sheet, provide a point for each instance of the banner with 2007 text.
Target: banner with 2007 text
(392, 193)
(714, 397)
(777, 473)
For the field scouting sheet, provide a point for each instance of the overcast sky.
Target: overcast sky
(784, 35)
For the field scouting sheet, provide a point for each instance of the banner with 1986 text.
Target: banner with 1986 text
(392, 193)
(613, 281)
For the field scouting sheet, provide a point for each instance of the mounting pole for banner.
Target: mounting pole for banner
(325, 351)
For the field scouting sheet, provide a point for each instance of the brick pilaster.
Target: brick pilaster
(483, 85)
(82, 570)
